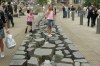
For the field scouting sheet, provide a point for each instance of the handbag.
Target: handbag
(9, 41)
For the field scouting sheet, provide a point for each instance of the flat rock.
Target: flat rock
(72, 48)
(19, 57)
(78, 55)
(30, 52)
(58, 42)
(60, 45)
(18, 63)
(85, 64)
(77, 64)
(63, 64)
(22, 48)
(33, 62)
(68, 56)
(81, 60)
(67, 60)
(48, 45)
(67, 41)
(66, 52)
(31, 45)
(53, 39)
(60, 48)
(21, 53)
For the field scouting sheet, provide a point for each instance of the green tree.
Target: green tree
(42, 2)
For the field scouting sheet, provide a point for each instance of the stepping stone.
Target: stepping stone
(18, 63)
(21, 53)
(78, 55)
(22, 48)
(81, 60)
(60, 48)
(33, 62)
(77, 64)
(63, 64)
(58, 42)
(31, 45)
(39, 42)
(61, 45)
(68, 56)
(67, 41)
(85, 64)
(37, 35)
(66, 52)
(72, 48)
(48, 45)
(30, 52)
(58, 56)
(67, 60)
(19, 57)
(42, 53)
(53, 39)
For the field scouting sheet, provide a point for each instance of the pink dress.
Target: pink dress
(30, 17)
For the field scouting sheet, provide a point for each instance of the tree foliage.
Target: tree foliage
(42, 2)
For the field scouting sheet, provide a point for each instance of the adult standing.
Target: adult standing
(15, 7)
(50, 17)
(64, 12)
(10, 13)
(2, 24)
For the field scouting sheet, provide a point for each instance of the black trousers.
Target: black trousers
(11, 20)
(89, 21)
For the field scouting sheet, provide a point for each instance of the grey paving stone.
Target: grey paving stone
(67, 41)
(47, 63)
(66, 52)
(22, 48)
(37, 35)
(85, 64)
(48, 45)
(72, 48)
(30, 52)
(21, 53)
(78, 55)
(77, 64)
(67, 60)
(58, 56)
(39, 42)
(68, 56)
(18, 63)
(19, 57)
(63, 64)
(60, 45)
(58, 42)
(31, 45)
(80, 60)
(60, 48)
(53, 39)
(43, 53)
(33, 62)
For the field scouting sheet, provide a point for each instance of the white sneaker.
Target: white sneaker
(2, 55)
(50, 35)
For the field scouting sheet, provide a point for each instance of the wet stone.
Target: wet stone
(48, 45)
(80, 60)
(63, 64)
(67, 60)
(58, 56)
(60, 48)
(60, 45)
(33, 62)
(18, 63)
(19, 57)
(58, 42)
(85, 64)
(66, 52)
(77, 64)
(78, 55)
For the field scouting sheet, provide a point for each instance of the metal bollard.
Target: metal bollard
(68, 13)
(81, 18)
(98, 26)
(73, 16)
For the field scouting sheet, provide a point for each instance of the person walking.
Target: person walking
(50, 17)
(64, 12)
(30, 18)
(2, 35)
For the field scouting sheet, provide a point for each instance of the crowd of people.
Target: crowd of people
(91, 12)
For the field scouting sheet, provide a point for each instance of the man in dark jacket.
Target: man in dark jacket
(10, 13)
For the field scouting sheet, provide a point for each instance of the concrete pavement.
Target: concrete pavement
(84, 38)
(18, 33)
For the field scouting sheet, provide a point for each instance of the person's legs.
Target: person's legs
(88, 21)
(12, 21)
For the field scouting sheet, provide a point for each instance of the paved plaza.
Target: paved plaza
(83, 37)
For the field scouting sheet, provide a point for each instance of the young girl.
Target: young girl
(30, 18)
(50, 17)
